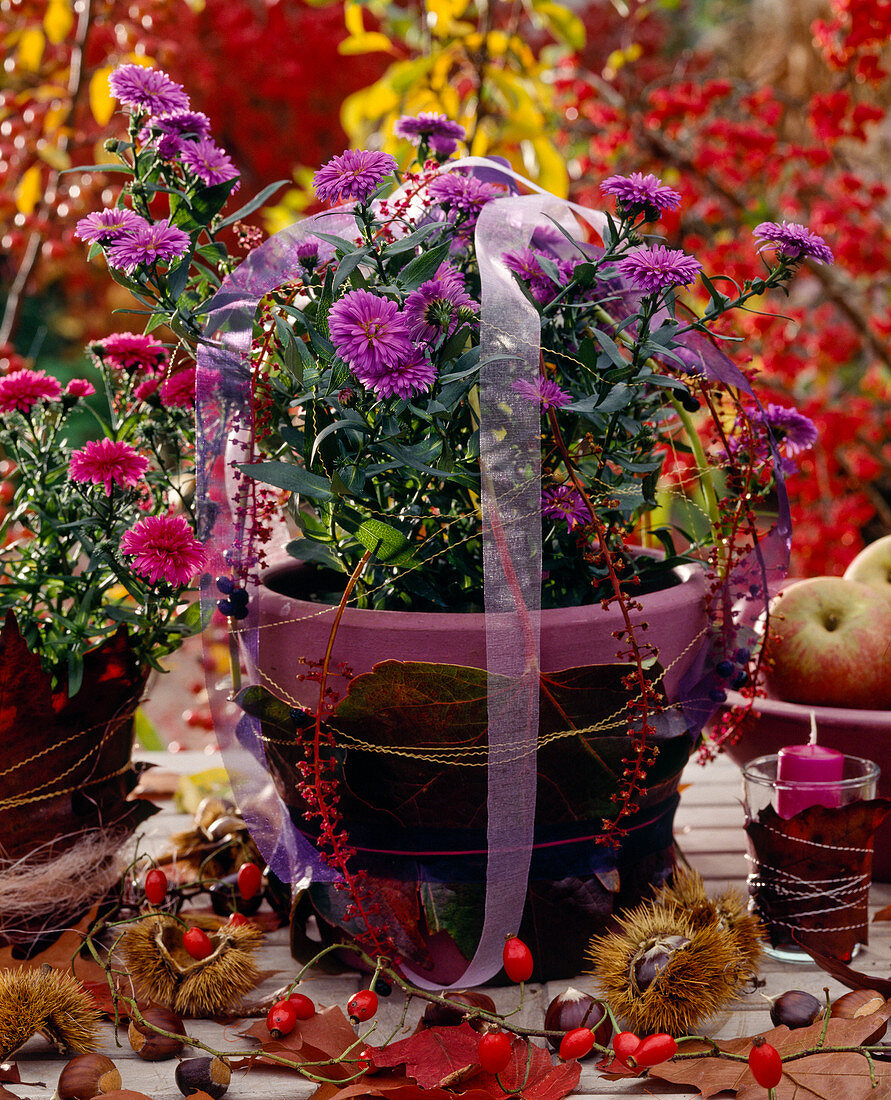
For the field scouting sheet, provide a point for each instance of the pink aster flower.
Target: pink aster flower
(164, 548)
(210, 163)
(140, 89)
(131, 352)
(369, 332)
(793, 241)
(22, 389)
(411, 376)
(653, 269)
(146, 388)
(354, 174)
(639, 194)
(153, 243)
(543, 390)
(107, 462)
(565, 502)
(79, 387)
(178, 389)
(106, 226)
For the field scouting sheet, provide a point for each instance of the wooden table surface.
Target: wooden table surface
(709, 834)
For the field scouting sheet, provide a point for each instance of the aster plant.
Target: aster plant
(100, 535)
(369, 360)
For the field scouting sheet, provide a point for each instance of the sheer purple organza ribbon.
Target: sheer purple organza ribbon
(511, 514)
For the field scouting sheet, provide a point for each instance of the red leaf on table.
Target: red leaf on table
(434, 1056)
(396, 1087)
(5, 1094)
(545, 1081)
(9, 1073)
(818, 1076)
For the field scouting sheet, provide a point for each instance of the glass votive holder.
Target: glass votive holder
(810, 848)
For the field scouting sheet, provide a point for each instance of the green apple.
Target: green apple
(872, 566)
(829, 644)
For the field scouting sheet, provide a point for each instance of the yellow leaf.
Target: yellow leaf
(367, 42)
(563, 24)
(30, 49)
(367, 104)
(58, 20)
(54, 118)
(29, 190)
(54, 157)
(353, 18)
(552, 174)
(102, 103)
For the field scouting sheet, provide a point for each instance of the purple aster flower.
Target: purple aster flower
(567, 503)
(140, 89)
(369, 333)
(410, 376)
(434, 307)
(437, 130)
(462, 196)
(653, 269)
(543, 390)
(208, 161)
(164, 548)
(795, 431)
(311, 252)
(105, 226)
(148, 245)
(193, 124)
(524, 262)
(639, 194)
(793, 241)
(355, 174)
(169, 146)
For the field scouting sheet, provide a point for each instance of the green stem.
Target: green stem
(703, 469)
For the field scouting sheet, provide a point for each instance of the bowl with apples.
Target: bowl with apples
(828, 663)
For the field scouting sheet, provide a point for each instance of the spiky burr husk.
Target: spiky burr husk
(48, 1002)
(166, 974)
(660, 973)
(729, 909)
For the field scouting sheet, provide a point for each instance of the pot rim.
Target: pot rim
(689, 573)
(801, 712)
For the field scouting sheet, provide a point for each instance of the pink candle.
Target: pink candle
(804, 765)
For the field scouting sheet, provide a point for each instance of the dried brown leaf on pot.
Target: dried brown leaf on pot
(818, 1076)
(843, 973)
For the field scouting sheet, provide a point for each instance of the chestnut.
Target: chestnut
(210, 1075)
(86, 1076)
(465, 1000)
(651, 959)
(149, 1043)
(571, 1009)
(795, 1008)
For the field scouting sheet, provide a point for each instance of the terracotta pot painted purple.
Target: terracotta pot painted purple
(292, 629)
(574, 889)
(774, 724)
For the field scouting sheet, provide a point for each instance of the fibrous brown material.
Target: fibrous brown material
(48, 1002)
(661, 973)
(729, 909)
(166, 974)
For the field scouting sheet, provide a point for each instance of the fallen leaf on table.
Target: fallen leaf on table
(58, 953)
(394, 1087)
(843, 973)
(840, 1076)
(125, 1094)
(326, 1035)
(433, 1057)
(9, 1073)
(545, 1080)
(5, 1094)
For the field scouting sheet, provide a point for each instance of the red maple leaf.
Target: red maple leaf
(434, 1056)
